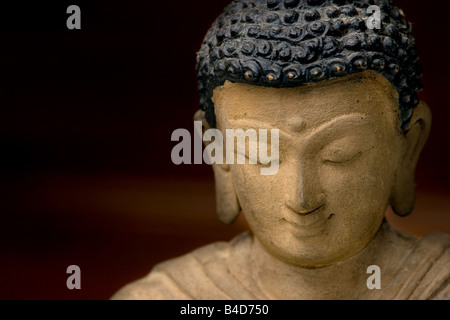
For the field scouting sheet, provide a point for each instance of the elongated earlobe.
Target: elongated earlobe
(227, 203)
(403, 195)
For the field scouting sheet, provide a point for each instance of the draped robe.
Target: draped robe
(222, 271)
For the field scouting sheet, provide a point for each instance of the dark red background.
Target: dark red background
(85, 124)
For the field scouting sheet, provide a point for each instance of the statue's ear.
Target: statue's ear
(227, 203)
(404, 195)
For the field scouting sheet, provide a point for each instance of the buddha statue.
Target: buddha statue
(344, 98)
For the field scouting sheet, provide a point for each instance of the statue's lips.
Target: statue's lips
(306, 225)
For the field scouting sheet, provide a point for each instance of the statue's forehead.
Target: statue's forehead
(310, 105)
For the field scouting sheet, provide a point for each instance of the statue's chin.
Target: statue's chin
(311, 253)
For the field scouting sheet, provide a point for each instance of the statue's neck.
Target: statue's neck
(342, 280)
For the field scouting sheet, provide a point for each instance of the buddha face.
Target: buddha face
(339, 151)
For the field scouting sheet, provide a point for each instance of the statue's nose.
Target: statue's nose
(307, 195)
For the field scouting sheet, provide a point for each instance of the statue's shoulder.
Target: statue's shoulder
(201, 274)
(439, 241)
(425, 273)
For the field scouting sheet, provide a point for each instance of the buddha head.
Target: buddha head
(344, 98)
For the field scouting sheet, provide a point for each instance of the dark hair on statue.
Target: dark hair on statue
(287, 43)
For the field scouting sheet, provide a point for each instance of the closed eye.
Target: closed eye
(342, 158)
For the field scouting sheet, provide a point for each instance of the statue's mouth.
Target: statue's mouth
(307, 230)
(306, 212)
(313, 220)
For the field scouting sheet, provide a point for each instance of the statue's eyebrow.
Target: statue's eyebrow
(341, 123)
(346, 122)
(258, 125)
(333, 129)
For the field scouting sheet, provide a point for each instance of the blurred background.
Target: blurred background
(86, 118)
